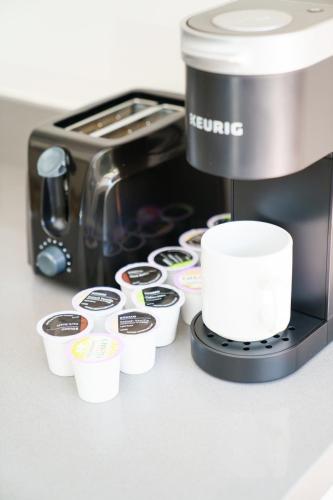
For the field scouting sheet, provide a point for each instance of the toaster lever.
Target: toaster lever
(52, 167)
(52, 162)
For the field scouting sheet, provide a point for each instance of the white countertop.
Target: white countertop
(173, 433)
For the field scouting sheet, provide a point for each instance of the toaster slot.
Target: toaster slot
(141, 120)
(93, 125)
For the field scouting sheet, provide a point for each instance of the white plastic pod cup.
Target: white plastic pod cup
(138, 330)
(218, 219)
(173, 259)
(191, 240)
(98, 303)
(165, 302)
(96, 363)
(139, 274)
(189, 281)
(57, 331)
(246, 280)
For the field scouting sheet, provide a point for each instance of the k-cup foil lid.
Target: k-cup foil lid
(218, 219)
(158, 296)
(63, 324)
(173, 258)
(192, 238)
(95, 348)
(98, 300)
(189, 279)
(142, 275)
(134, 322)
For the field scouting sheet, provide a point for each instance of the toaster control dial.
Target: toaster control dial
(51, 261)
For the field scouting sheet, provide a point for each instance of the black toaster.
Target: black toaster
(110, 183)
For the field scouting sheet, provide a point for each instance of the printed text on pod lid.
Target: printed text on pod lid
(159, 296)
(174, 258)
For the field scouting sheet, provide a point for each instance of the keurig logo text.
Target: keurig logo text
(216, 126)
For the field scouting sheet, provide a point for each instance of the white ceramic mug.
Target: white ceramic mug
(246, 280)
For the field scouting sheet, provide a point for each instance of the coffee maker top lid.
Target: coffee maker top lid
(258, 37)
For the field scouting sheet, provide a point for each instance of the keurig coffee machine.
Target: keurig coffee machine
(259, 111)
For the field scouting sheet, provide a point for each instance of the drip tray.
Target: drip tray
(261, 361)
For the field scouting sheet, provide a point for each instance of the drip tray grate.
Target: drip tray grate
(258, 361)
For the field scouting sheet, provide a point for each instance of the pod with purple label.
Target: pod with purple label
(189, 281)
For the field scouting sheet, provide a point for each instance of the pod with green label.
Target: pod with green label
(173, 259)
(98, 303)
(164, 302)
(138, 330)
(57, 331)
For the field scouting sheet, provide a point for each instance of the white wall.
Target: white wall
(65, 53)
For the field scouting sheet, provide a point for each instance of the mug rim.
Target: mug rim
(223, 228)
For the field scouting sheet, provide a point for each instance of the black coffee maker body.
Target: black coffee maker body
(109, 184)
(259, 112)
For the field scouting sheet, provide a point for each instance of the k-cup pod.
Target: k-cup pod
(173, 259)
(96, 363)
(57, 331)
(189, 281)
(191, 240)
(164, 301)
(139, 274)
(218, 219)
(137, 330)
(246, 280)
(98, 303)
